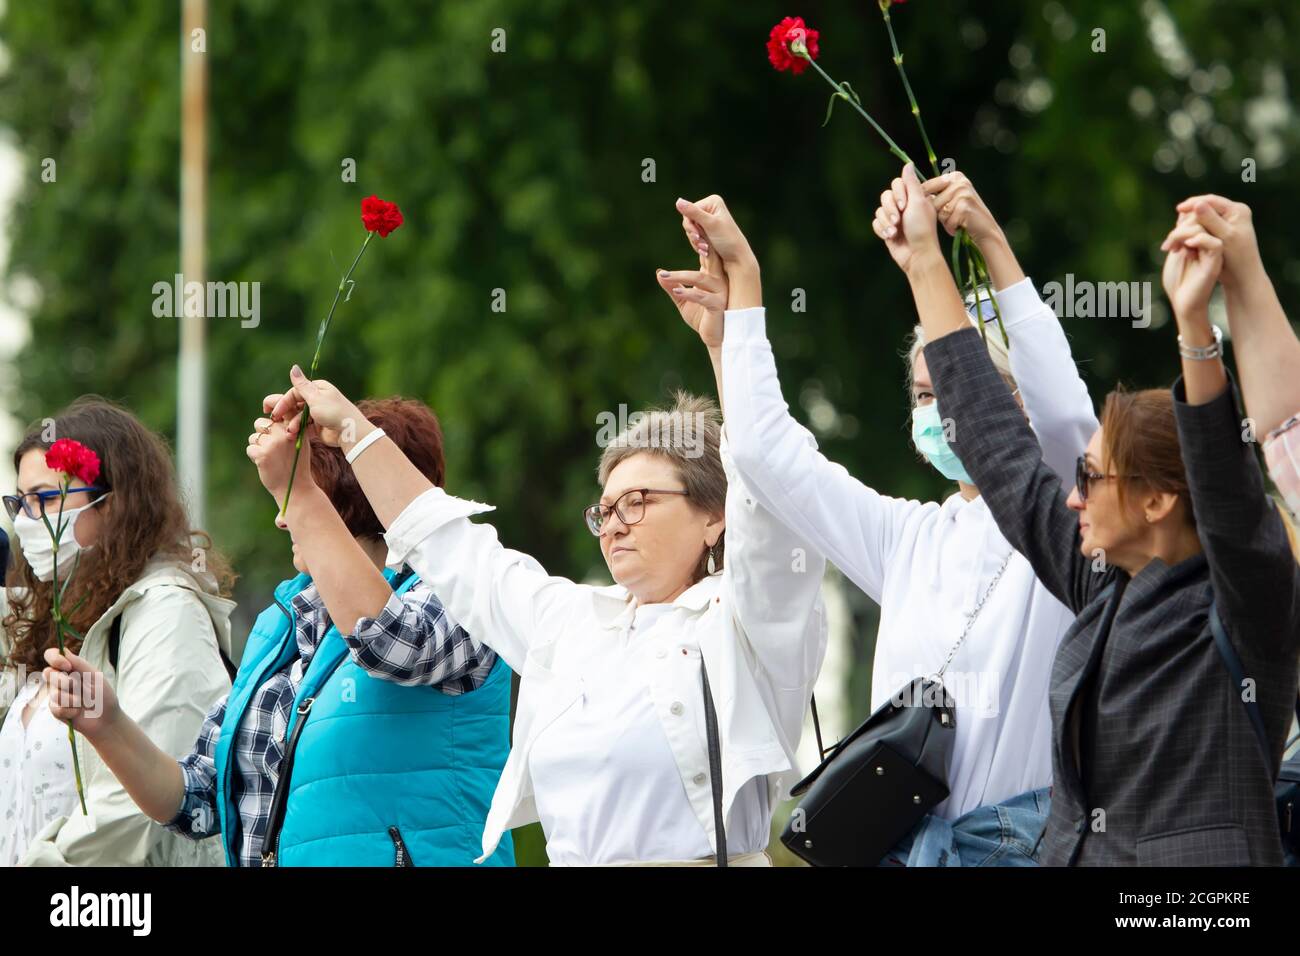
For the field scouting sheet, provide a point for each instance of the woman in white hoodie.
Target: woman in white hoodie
(150, 598)
(947, 582)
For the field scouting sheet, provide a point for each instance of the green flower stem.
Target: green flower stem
(911, 97)
(893, 147)
(56, 535)
(970, 272)
(982, 270)
(315, 360)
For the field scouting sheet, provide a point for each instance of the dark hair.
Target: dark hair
(412, 426)
(143, 521)
(1140, 438)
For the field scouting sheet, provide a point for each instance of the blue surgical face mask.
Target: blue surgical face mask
(927, 435)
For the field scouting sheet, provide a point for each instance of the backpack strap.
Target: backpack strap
(115, 641)
(115, 650)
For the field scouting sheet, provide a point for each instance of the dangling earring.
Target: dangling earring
(712, 566)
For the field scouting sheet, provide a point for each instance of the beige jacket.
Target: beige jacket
(169, 674)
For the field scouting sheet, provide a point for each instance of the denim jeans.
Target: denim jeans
(1002, 834)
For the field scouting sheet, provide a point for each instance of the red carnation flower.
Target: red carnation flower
(73, 459)
(380, 216)
(783, 35)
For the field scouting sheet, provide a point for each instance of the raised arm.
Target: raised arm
(990, 434)
(774, 577)
(502, 597)
(1265, 348)
(1055, 398)
(348, 581)
(1255, 576)
(844, 520)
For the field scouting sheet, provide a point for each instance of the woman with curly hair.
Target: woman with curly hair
(151, 598)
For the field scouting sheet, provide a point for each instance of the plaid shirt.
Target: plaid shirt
(412, 642)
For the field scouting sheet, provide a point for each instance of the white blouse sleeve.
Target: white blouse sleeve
(854, 526)
(1056, 400)
(503, 598)
(773, 579)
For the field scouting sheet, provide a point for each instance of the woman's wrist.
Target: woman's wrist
(1194, 326)
(1004, 268)
(1252, 280)
(361, 427)
(108, 728)
(923, 263)
(744, 284)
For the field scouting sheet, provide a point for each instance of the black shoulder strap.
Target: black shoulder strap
(115, 641)
(1238, 674)
(715, 767)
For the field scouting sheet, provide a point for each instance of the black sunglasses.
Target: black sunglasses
(1084, 477)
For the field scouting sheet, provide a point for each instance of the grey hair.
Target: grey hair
(993, 341)
(689, 435)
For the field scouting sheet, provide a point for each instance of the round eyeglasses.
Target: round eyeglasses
(32, 504)
(629, 506)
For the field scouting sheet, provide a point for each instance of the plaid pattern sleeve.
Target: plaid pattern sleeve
(1282, 452)
(1255, 576)
(998, 448)
(197, 816)
(413, 641)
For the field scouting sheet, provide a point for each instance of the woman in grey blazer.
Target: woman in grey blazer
(1155, 759)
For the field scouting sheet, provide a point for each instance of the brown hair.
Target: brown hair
(144, 520)
(1140, 437)
(412, 426)
(689, 435)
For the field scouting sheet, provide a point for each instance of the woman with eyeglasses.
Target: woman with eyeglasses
(150, 597)
(1171, 694)
(611, 737)
(949, 585)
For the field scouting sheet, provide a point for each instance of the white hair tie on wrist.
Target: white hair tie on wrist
(362, 445)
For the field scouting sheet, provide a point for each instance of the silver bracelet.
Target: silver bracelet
(362, 445)
(1203, 352)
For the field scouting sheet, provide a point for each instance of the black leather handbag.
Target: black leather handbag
(876, 784)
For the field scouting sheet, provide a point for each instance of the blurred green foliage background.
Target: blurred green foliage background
(523, 170)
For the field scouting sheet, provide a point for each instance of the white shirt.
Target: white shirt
(608, 788)
(759, 625)
(37, 784)
(926, 564)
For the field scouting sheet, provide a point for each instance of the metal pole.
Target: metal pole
(191, 379)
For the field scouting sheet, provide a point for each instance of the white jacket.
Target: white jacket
(169, 674)
(760, 626)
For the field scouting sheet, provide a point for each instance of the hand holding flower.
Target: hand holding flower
(960, 207)
(338, 420)
(78, 694)
(272, 449)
